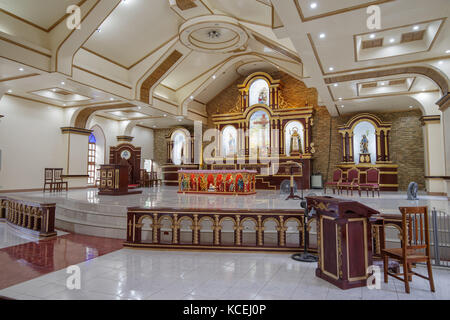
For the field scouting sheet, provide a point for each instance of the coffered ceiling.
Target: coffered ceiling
(325, 43)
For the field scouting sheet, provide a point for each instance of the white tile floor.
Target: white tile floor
(10, 237)
(161, 275)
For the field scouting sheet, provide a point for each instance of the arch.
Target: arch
(81, 117)
(287, 142)
(259, 92)
(146, 234)
(364, 130)
(100, 144)
(249, 237)
(259, 137)
(186, 235)
(271, 219)
(229, 141)
(206, 236)
(255, 76)
(293, 236)
(300, 223)
(433, 74)
(270, 237)
(142, 218)
(226, 236)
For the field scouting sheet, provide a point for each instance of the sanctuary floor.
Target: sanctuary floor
(37, 270)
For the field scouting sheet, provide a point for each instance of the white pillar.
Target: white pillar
(444, 107)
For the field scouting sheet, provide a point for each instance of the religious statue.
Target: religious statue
(364, 156)
(296, 142)
(364, 145)
(185, 183)
(231, 144)
(240, 184)
(202, 183)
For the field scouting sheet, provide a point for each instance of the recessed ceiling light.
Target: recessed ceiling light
(9, 91)
(331, 68)
(441, 62)
(112, 99)
(391, 40)
(410, 107)
(313, 5)
(335, 85)
(64, 104)
(54, 90)
(342, 106)
(447, 51)
(192, 97)
(214, 77)
(165, 115)
(372, 36)
(63, 83)
(21, 69)
(99, 30)
(383, 83)
(416, 28)
(139, 108)
(322, 35)
(340, 98)
(154, 126)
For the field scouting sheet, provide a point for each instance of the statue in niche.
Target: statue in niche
(262, 97)
(364, 145)
(296, 142)
(231, 145)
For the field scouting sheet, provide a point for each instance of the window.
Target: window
(148, 165)
(91, 159)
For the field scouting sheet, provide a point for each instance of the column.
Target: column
(434, 157)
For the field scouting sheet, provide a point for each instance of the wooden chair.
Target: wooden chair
(415, 246)
(372, 182)
(337, 178)
(352, 182)
(58, 180)
(48, 178)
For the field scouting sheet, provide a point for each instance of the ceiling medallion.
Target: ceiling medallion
(213, 34)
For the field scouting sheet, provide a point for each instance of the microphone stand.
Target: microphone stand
(305, 256)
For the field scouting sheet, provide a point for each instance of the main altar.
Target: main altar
(265, 133)
(237, 182)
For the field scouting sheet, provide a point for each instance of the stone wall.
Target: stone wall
(406, 144)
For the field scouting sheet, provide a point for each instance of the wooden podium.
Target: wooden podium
(114, 180)
(344, 240)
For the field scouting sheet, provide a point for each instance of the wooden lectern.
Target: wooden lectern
(114, 180)
(344, 240)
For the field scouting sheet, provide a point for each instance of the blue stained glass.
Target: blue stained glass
(92, 139)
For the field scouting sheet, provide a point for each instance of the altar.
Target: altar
(232, 182)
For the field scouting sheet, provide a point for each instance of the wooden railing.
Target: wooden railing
(168, 221)
(34, 218)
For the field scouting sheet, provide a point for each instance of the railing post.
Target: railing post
(437, 259)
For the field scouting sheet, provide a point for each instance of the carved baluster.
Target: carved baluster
(238, 231)
(175, 229)
(155, 227)
(260, 229)
(195, 230)
(216, 230)
(282, 233)
(23, 213)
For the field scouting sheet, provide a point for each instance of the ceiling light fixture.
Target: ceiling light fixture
(9, 91)
(213, 34)
(192, 97)
(112, 99)
(63, 83)
(340, 98)
(441, 62)
(410, 107)
(164, 115)
(214, 77)
(335, 85)
(391, 40)
(416, 28)
(447, 51)
(372, 36)
(331, 68)
(21, 69)
(99, 30)
(322, 35)
(313, 5)
(342, 106)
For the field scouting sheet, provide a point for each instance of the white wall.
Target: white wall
(143, 138)
(30, 140)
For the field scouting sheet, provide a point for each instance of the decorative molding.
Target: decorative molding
(75, 130)
(430, 119)
(83, 115)
(19, 77)
(277, 48)
(444, 102)
(100, 76)
(125, 138)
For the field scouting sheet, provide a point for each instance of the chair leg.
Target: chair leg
(430, 275)
(406, 274)
(385, 266)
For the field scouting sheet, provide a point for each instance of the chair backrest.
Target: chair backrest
(337, 175)
(48, 174)
(415, 228)
(57, 174)
(352, 174)
(373, 175)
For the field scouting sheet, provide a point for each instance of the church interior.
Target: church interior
(224, 150)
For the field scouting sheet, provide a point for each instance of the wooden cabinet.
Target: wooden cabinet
(344, 240)
(114, 180)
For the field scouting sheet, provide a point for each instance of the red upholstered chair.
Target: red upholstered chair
(372, 182)
(337, 178)
(352, 182)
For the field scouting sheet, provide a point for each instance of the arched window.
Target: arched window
(229, 141)
(91, 159)
(259, 92)
(364, 140)
(259, 133)
(179, 150)
(292, 131)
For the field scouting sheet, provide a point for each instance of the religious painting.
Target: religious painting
(229, 141)
(364, 143)
(179, 147)
(259, 92)
(294, 138)
(259, 133)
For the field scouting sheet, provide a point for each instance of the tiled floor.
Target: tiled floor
(22, 259)
(157, 275)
